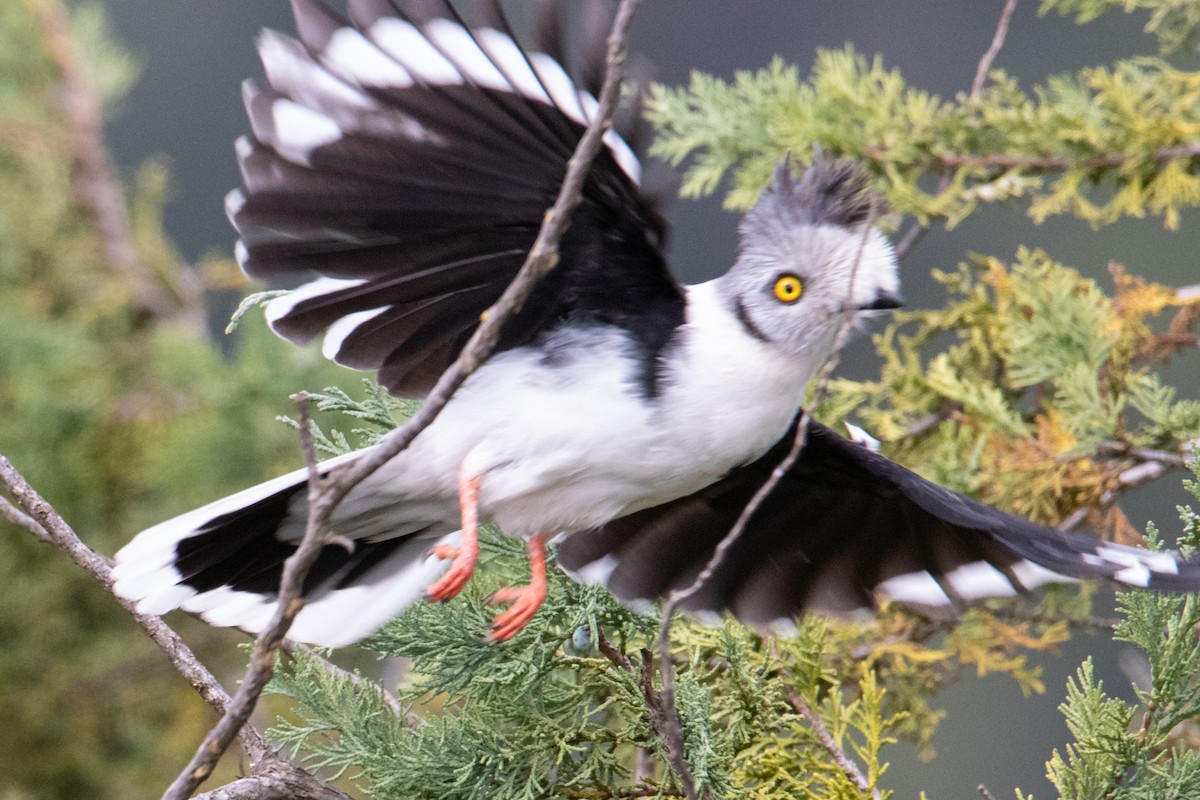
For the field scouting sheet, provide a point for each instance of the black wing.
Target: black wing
(843, 525)
(407, 162)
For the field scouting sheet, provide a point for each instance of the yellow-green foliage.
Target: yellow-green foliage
(1040, 384)
(1104, 143)
(1174, 22)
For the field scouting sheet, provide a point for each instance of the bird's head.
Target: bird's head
(810, 253)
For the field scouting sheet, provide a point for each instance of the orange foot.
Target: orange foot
(526, 600)
(455, 578)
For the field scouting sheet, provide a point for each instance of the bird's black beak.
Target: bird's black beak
(883, 301)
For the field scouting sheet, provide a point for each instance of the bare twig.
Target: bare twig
(917, 230)
(660, 714)
(1144, 465)
(326, 493)
(279, 782)
(989, 57)
(666, 668)
(826, 740)
(268, 642)
(19, 518)
(95, 182)
(948, 162)
(60, 534)
(365, 684)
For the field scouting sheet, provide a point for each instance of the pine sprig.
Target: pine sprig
(1123, 750)
(1101, 145)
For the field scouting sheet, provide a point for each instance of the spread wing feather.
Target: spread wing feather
(843, 526)
(406, 162)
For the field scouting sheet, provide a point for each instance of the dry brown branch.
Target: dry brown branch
(59, 533)
(1043, 163)
(325, 493)
(359, 681)
(671, 730)
(278, 777)
(267, 644)
(95, 182)
(657, 710)
(281, 781)
(22, 520)
(826, 740)
(917, 230)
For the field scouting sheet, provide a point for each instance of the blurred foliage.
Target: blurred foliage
(1174, 22)
(119, 421)
(1106, 143)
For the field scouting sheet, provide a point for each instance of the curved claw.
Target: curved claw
(463, 565)
(526, 600)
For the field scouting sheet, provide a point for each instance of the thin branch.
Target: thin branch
(365, 684)
(984, 793)
(989, 57)
(326, 493)
(22, 520)
(943, 162)
(60, 534)
(826, 740)
(918, 230)
(671, 726)
(48, 525)
(660, 714)
(268, 642)
(280, 783)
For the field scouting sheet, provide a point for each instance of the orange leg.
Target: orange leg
(526, 600)
(455, 578)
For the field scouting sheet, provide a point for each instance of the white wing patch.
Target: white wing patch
(354, 58)
(1136, 565)
(280, 307)
(447, 54)
(973, 581)
(291, 70)
(298, 130)
(404, 42)
(454, 40)
(345, 326)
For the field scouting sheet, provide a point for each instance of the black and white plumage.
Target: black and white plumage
(404, 164)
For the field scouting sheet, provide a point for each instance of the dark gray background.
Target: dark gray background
(187, 107)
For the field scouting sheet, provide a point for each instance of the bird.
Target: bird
(398, 169)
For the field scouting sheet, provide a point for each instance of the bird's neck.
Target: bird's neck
(743, 391)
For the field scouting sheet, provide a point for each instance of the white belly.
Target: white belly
(574, 444)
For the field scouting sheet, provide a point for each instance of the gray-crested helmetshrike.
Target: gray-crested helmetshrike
(405, 163)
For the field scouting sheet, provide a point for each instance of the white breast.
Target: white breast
(570, 441)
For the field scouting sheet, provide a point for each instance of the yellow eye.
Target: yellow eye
(788, 288)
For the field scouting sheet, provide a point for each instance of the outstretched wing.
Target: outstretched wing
(407, 164)
(843, 525)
